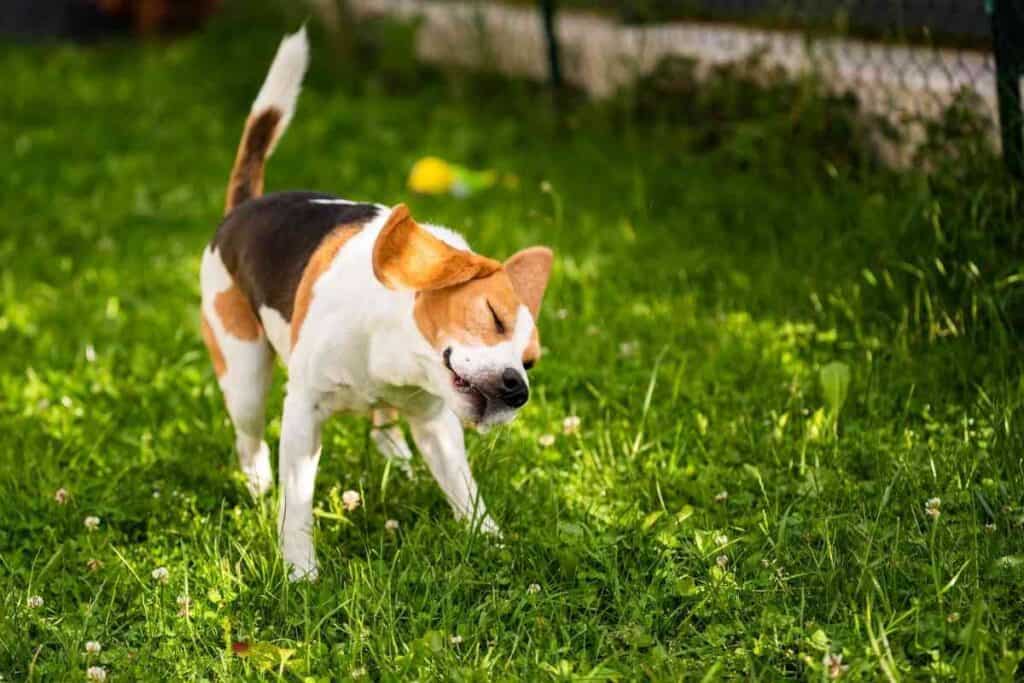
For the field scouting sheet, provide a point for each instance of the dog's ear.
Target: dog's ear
(408, 257)
(529, 271)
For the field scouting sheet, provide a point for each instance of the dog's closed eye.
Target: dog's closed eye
(498, 325)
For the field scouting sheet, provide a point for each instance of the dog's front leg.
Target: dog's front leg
(440, 440)
(299, 456)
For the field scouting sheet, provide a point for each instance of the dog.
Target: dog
(370, 312)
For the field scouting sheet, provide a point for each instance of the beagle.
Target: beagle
(370, 311)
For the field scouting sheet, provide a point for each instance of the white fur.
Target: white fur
(281, 87)
(448, 236)
(474, 362)
(279, 332)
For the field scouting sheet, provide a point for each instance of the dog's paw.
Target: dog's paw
(259, 476)
(299, 557)
(490, 527)
(302, 566)
(308, 574)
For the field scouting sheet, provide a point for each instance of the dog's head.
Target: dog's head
(478, 314)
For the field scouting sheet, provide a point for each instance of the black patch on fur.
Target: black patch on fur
(247, 178)
(265, 243)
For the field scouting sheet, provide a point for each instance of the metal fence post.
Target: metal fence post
(1008, 47)
(547, 8)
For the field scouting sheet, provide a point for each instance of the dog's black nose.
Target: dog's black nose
(513, 388)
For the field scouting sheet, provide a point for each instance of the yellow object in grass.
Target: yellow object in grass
(431, 175)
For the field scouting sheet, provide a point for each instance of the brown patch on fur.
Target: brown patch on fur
(216, 355)
(462, 313)
(246, 179)
(405, 256)
(530, 270)
(236, 314)
(319, 262)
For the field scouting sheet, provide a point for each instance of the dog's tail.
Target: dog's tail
(268, 119)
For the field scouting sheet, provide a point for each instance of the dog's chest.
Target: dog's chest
(356, 399)
(346, 398)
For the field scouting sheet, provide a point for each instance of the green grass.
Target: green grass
(719, 514)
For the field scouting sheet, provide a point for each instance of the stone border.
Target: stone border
(899, 83)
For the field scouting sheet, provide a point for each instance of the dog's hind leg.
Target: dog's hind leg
(243, 361)
(388, 438)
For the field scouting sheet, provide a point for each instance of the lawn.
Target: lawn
(778, 354)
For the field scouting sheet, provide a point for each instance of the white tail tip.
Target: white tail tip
(284, 80)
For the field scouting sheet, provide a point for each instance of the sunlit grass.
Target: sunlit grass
(716, 510)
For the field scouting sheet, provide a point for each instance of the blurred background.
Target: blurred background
(906, 64)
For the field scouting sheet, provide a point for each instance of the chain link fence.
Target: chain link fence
(908, 62)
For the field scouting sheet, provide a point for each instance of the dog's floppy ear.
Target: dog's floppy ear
(408, 257)
(529, 271)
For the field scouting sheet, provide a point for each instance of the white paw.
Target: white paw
(301, 564)
(296, 574)
(486, 525)
(490, 527)
(259, 475)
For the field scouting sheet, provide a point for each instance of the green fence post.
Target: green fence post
(1008, 48)
(547, 9)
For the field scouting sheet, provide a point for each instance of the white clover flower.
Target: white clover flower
(66, 401)
(96, 673)
(834, 667)
(533, 588)
(160, 574)
(455, 640)
(391, 525)
(546, 440)
(61, 495)
(562, 313)
(627, 348)
(351, 500)
(90, 353)
(571, 425)
(953, 617)
(722, 561)
(721, 496)
(932, 508)
(34, 601)
(92, 564)
(92, 522)
(721, 539)
(184, 606)
(93, 647)
(358, 672)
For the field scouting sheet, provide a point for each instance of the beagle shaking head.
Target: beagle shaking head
(370, 312)
(477, 313)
